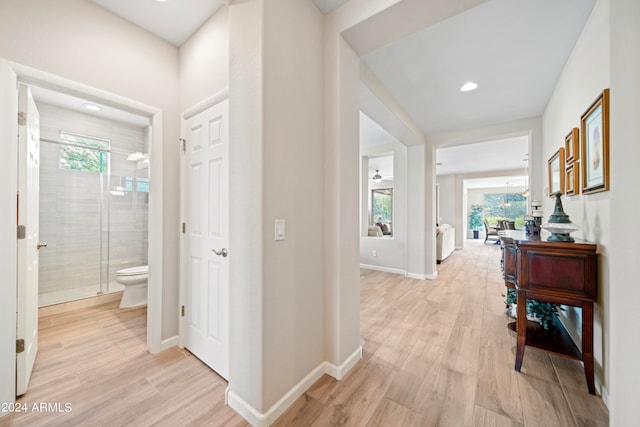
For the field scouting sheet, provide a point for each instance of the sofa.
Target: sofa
(445, 242)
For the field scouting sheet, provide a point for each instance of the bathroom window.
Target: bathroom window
(83, 153)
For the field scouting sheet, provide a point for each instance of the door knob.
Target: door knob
(41, 245)
(222, 252)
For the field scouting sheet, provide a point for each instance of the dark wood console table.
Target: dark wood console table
(555, 272)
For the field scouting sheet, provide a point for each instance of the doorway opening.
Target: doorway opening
(94, 197)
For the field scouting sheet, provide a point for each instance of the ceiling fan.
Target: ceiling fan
(377, 177)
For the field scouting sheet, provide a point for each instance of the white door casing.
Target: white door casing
(28, 216)
(207, 236)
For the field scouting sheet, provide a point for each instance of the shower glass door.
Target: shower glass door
(73, 215)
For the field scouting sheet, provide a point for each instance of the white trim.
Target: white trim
(257, 419)
(338, 372)
(417, 276)
(604, 394)
(385, 269)
(156, 237)
(169, 342)
(8, 245)
(47, 80)
(433, 276)
(199, 107)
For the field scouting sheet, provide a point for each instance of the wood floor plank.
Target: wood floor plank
(390, 413)
(544, 403)
(485, 418)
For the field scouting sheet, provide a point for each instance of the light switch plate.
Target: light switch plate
(279, 229)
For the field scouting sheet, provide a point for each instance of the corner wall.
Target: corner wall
(580, 83)
(624, 317)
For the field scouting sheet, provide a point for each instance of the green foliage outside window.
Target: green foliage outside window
(83, 153)
(382, 206)
(495, 209)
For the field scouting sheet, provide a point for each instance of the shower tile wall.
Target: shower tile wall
(70, 204)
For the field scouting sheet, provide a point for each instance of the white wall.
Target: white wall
(292, 181)
(390, 251)
(624, 293)
(204, 61)
(582, 80)
(447, 185)
(276, 167)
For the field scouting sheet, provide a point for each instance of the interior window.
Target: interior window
(382, 209)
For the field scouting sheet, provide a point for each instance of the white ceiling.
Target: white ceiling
(515, 50)
(172, 20)
(497, 155)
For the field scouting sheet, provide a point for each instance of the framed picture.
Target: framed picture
(594, 127)
(571, 146)
(572, 179)
(556, 173)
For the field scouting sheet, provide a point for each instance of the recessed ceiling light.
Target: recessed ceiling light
(92, 107)
(468, 86)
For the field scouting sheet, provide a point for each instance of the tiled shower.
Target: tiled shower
(94, 198)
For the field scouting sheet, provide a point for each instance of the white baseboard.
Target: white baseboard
(257, 419)
(338, 372)
(604, 393)
(169, 342)
(433, 276)
(385, 269)
(416, 276)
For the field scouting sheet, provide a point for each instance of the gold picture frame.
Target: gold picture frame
(572, 179)
(594, 128)
(572, 146)
(556, 173)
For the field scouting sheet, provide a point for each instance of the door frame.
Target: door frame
(203, 105)
(11, 73)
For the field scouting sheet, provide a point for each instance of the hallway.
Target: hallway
(435, 353)
(438, 353)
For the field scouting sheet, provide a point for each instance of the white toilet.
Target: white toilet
(134, 280)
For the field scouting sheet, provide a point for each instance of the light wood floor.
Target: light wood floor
(436, 353)
(95, 359)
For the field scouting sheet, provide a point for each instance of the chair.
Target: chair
(490, 232)
(374, 231)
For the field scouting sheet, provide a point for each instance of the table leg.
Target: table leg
(587, 344)
(521, 328)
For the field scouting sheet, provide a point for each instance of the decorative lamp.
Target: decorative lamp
(559, 224)
(377, 177)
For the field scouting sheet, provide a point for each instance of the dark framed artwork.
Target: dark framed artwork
(556, 173)
(572, 146)
(572, 179)
(594, 128)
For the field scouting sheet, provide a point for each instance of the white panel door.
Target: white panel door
(207, 233)
(28, 216)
